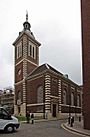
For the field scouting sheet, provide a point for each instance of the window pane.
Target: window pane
(64, 96)
(40, 94)
(72, 99)
(30, 50)
(33, 52)
(19, 50)
(78, 100)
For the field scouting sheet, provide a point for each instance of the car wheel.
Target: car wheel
(9, 128)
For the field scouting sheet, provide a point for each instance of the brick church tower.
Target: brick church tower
(26, 60)
(85, 16)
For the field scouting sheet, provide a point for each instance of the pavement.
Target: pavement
(40, 120)
(77, 128)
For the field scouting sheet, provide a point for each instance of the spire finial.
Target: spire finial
(26, 15)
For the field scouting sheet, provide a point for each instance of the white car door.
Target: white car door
(4, 120)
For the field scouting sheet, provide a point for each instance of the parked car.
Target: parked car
(8, 123)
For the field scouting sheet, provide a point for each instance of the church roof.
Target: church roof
(46, 67)
(42, 69)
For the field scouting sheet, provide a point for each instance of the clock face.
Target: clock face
(19, 72)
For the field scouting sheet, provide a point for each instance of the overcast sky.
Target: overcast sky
(56, 24)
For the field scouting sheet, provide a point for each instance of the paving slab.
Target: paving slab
(78, 128)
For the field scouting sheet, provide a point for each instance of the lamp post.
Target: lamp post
(69, 109)
(69, 114)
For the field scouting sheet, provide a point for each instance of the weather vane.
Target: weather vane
(26, 15)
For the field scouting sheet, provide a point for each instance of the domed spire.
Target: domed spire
(26, 24)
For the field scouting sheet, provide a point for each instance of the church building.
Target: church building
(41, 89)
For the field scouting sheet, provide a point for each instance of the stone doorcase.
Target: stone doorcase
(54, 107)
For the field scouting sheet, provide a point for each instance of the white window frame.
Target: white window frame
(65, 96)
(34, 52)
(72, 98)
(31, 50)
(19, 50)
(78, 100)
(40, 93)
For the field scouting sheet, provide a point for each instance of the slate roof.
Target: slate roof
(42, 69)
(46, 67)
(28, 33)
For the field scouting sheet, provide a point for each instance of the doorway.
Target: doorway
(54, 110)
(18, 109)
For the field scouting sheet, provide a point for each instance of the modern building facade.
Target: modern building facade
(41, 90)
(7, 101)
(85, 18)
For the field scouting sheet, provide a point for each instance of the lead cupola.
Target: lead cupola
(26, 24)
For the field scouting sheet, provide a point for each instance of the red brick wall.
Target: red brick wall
(35, 109)
(17, 76)
(30, 67)
(66, 109)
(32, 89)
(85, 12)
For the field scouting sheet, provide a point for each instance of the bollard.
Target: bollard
(32, 121)
(32, 118)
(73, 119)
(71, 124)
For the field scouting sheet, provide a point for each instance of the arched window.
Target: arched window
(19, 97)
(72, 98)
(19, 50)
(33, 52)
(64, 96)
(40, 94)
(78, 100)
(29, 50)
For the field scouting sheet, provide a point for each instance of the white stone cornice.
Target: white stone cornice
(32, 62)
(35, 78)
(38, 104)
(54, 97)
(27, 61)
(65, 105)
(17, 83)
(16, 64)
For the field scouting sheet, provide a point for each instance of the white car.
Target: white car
(8, 123)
